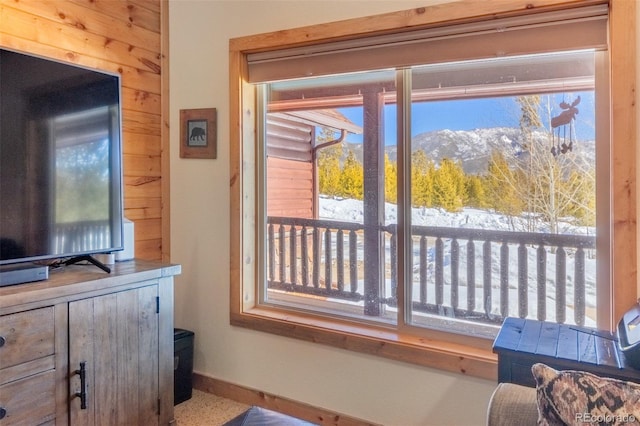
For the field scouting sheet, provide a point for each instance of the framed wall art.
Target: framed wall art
(198, 129)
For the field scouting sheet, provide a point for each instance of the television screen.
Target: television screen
(60, 160)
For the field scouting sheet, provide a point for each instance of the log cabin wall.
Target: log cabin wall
(126, 37)
(289, 188)
(290, 168)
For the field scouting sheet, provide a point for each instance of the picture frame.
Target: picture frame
(198, 133)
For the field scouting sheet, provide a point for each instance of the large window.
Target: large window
(415, 196)
(501, 206)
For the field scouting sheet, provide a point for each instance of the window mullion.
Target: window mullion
(604, 282)
(403, 83)
(261, 192)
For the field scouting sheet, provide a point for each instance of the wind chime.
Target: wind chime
(560, 143)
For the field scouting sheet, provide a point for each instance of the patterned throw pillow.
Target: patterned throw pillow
(577, 397)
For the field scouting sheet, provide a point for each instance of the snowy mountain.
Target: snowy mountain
(473, 148)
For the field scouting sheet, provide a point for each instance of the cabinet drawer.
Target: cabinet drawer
(29, 401)
(25, 336)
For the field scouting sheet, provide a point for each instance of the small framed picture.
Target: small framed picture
(198, 129)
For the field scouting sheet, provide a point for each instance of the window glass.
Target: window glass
(328, 239)
(500, 168)
(503, 192)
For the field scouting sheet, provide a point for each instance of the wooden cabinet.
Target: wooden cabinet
(27, 363)
(114, 338)
(87, 348)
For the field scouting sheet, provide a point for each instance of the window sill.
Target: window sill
(433, 351)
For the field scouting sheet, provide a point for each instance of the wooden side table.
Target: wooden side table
(523, 342)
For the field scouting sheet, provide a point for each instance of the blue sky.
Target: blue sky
(472, 114)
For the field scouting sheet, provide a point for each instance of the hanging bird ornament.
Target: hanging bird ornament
(559, 144)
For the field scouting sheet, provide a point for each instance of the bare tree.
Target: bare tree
(549, 187)
(555, 185)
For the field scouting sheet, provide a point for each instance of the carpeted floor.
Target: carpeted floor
(206, 409)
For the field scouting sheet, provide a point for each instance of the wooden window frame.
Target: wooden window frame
(446, 351)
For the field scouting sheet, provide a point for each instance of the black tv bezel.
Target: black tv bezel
(116, 174)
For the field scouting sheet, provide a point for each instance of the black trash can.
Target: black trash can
(182, 365)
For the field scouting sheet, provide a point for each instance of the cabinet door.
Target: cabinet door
(115, 337)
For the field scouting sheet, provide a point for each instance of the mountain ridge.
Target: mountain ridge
(473, 148)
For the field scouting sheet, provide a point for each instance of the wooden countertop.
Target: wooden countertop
(82, 280)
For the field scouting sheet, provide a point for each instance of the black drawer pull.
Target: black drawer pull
(83, 385)
(3, 413)
(2, 342)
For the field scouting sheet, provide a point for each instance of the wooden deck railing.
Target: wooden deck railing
(457, 272)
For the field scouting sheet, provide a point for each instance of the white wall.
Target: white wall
(367, 387)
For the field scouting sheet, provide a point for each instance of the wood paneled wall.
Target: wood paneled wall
(124, 37)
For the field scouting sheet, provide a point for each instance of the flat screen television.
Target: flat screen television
(60, 160)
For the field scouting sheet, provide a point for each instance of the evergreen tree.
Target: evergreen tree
(475, 192)
(422, 171)
(328, 162)
(329, 170)
(449, 186)
(501, 186)
(390, 180)
(352, 178)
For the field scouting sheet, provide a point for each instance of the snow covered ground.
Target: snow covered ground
(349, 210)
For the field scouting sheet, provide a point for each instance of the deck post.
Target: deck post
(373, 165)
